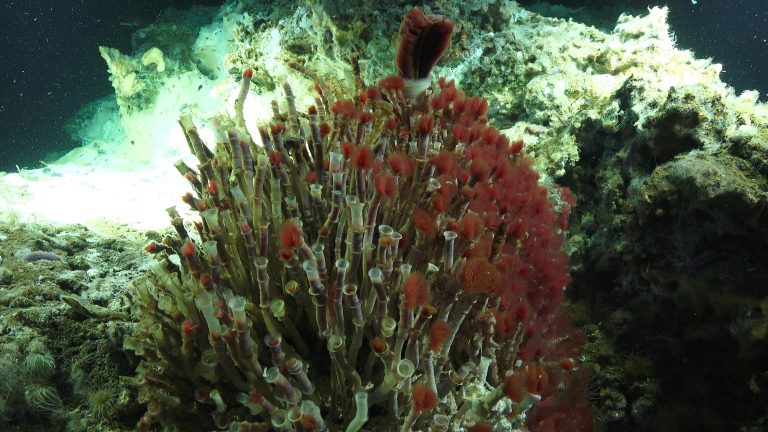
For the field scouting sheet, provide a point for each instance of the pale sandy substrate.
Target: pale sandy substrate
(103, 199)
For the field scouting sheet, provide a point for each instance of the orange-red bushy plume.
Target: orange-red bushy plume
(373, 93)
(480, 276)
(514, 386)
(207, 281)
(189, 249)
(286, 254)
(277, 128)
(379, 345)
(424, 222)
(480, 170)
(309, 423)
(424, 399)
(213, 187)
(151, 247)
(536, 378)
(392, 82)
(344, 108)
(416, 291)
(440, 203)
(567, 363)
(390, 124)
(444, 162)
(437, 334)
(347, 149)
(400, 164)
(385, 185)
(472, 226)
(290, 235)
(365, 117)
(275, 158)
(425, 124)
(517, 147)
(188, 327)
(363, 158)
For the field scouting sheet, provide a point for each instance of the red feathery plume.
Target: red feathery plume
(444, 162)
(286, 254)
(344, 108)
(514, 386)
(212, 188)
(309, 423)
(424, 399)
(416, 291)
(363, 158)
(379, 345)
(347, 149)
(277, 128)
(517, 147)
(480, 170)
(365, 117)
(373, 94)
(393, 83)
(425, 124)
(437, 334)
(207, 281)
(275, 158)
(480, 276)
(472, 226)
(188, 327)
(536, 378)
(189, 249)
(424, 221)
(423, 40)
(400, 164)
(385, 185)
(151, 247)
(390, 123)
(290, 235)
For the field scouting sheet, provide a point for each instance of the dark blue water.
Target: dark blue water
(733, 32)
(50, 66)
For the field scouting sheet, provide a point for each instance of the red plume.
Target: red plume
(423, 40)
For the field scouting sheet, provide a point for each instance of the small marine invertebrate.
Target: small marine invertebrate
(40, 366)
(101, 402)
(41, 256)
(637, 365)
(43, 399)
